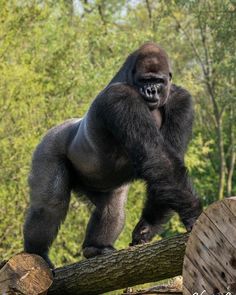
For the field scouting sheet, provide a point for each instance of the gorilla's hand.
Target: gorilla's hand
(189, 223)
(143, 232)
(190, 217)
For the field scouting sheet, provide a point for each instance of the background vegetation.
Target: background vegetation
(55, 57)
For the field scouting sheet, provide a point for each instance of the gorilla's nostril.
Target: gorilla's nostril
(148, 91)
(153, 91)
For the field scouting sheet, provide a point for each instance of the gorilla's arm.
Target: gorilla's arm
(176, 131)
(125, 114)
(179, 116)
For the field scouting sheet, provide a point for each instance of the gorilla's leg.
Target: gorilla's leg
(106, 222)
(50, 195)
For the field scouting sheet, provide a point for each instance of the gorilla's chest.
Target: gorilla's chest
(157, 115)
(100, 162)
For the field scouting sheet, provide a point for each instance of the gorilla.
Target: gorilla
(138, 127)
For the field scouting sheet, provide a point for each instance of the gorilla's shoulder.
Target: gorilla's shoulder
(120, 88)
(180, 97)
(179, 91)
(116, 92)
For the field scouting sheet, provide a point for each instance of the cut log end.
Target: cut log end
(210, 257)
(25, 274)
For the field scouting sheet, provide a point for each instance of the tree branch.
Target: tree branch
(149, 9)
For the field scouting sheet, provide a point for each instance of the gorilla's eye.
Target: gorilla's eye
(160, 81)
(152, 80)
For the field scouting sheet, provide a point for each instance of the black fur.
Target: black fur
(138, 127)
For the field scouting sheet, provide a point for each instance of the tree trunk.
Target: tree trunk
(232, 156)
(220, 140)
(222, 159)
(136, 265)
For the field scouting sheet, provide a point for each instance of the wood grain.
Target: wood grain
(25, 274)
(210, 257)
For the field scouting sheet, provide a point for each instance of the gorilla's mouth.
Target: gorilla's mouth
(151, 93)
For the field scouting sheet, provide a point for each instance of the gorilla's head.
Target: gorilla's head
(151, 74)
(148, 70)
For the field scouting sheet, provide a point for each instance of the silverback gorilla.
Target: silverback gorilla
(138, 127)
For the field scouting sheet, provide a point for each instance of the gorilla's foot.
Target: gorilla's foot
(143, 233)
(95, 251)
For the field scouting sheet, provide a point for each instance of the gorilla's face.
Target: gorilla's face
(152, 75)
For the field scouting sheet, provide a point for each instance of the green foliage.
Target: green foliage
(54, 61)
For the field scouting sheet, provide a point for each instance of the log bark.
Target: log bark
(132, 266)
(173, 287)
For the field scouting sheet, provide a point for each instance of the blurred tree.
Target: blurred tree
(208, 30)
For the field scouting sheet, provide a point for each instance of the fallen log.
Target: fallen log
(28, 274)
(132, 266)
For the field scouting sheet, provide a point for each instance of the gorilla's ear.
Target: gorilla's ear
(170, 76)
